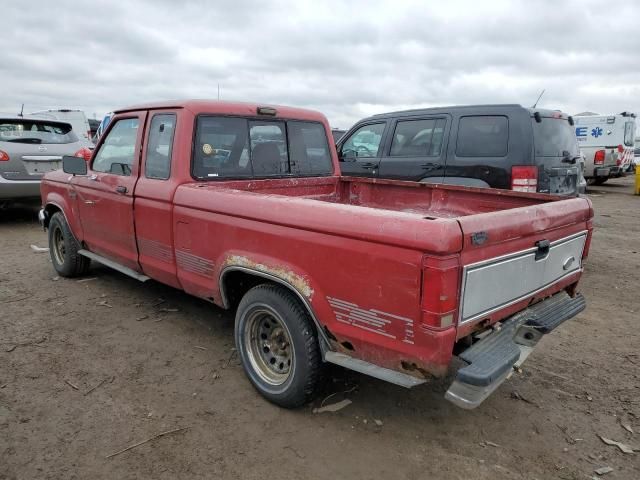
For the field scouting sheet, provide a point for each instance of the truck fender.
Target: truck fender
(57, 203)
(278, 272)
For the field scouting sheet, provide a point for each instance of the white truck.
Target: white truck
(607, 143)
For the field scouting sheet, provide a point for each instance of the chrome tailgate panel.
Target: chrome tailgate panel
(493, 284)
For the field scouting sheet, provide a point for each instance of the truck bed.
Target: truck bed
(423, 199)
(426, 217)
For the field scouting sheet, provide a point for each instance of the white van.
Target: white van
(607, 142)
(76, 118)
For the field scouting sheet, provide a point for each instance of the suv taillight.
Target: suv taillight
(4, 156)
(598, 158)
(440, 291)
(83, 153)
(524, 178)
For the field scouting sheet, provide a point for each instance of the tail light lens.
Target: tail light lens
(524, 178)
(598, 158)
(620, 149)
(83, 153)
(4, 156)
(440, 291)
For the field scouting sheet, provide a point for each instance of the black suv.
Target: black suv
(497, 146)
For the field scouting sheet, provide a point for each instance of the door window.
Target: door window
(117, 153)
(365, 142)
(482, 136)
(418, 138)
(160, 146)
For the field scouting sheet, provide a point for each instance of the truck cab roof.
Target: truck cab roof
(197, 107)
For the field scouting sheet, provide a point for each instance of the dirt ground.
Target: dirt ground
(90, 367)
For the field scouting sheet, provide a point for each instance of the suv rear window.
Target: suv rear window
(36, 131)
(230, 147)
(482, 136)
(553, 136)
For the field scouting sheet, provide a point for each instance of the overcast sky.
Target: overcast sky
(346, 59)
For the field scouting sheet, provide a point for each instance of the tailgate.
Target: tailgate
(511, 255)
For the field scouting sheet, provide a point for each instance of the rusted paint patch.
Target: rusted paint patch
(298, 282)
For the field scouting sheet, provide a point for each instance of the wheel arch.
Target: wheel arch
(235, 281)
(52, 207)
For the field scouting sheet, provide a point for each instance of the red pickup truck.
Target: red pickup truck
(243, 205)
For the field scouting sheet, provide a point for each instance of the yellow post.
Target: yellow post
(637, 189)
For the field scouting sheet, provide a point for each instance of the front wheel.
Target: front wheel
(63, 248)
(278, 346)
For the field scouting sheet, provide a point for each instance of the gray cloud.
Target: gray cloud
(346, 59)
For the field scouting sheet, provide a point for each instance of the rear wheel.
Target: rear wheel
(278, 345)
(63, 248)
(600, 180)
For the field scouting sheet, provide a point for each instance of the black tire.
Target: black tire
(63, 248)
(276, 306)
(600, 180)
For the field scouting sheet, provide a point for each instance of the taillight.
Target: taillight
(524, 178)
(440, 291)
(4, 156)
(598, 158)
(620, 149)
(83, 153)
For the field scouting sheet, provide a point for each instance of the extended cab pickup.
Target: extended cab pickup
(243, 205)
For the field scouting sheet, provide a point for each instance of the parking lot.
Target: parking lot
(90, 367)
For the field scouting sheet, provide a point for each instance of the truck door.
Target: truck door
(153, 198)
(359, 153)
(416, 150)
(105, 195)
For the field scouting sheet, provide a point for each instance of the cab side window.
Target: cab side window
(117, 153)
(160, 146)
(363, 143)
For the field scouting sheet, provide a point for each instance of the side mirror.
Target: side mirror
(74, 165)
(348, 155)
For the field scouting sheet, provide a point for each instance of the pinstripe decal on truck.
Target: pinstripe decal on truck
(371, 320)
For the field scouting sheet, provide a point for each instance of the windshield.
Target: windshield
(553, 136)
(36, 131)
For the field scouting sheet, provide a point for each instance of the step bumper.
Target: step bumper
(490, 361)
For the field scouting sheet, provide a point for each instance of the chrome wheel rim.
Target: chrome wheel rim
(58, 247)
(268, 344)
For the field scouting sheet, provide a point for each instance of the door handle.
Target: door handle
(369, 165)
(121, 189)
(429, 166)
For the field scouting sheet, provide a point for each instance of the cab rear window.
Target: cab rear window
(230, 147)
(36, 132)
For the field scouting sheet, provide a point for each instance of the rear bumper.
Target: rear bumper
(14, 189)
(602, 171)
(490, 361)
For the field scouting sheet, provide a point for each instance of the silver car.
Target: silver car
(29, 148)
